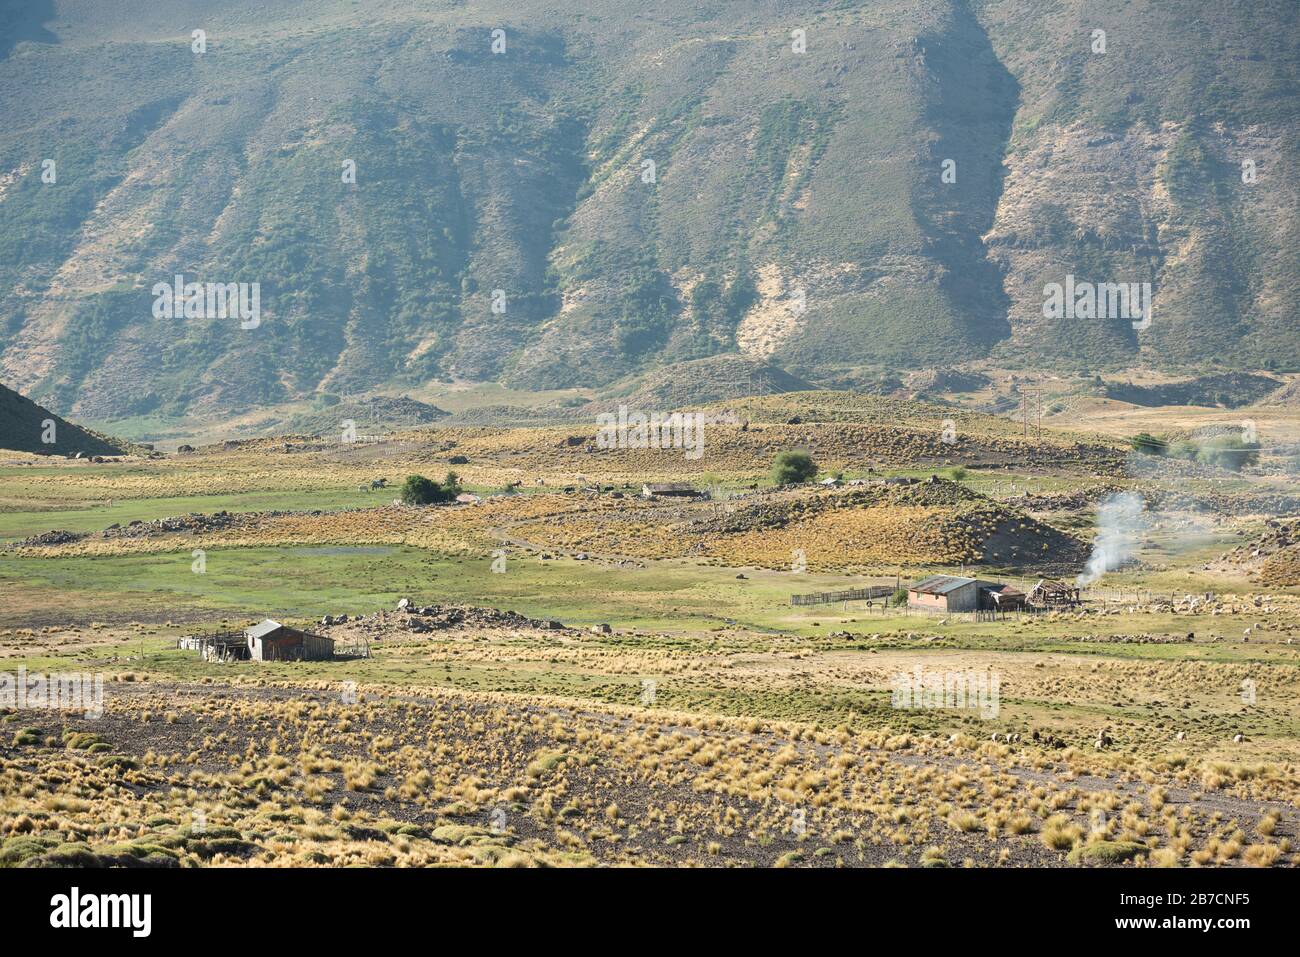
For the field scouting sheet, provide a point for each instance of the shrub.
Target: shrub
(1223, 451)
(15, 850)
(791, 468)
(1106, 852)
(933, 857)
(418, 490)
(1147, 444)
(899, 598)
(1262, 855)
(1228, 452)
(1060, 834)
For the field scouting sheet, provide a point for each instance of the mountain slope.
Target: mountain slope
(26, 427)
(1131, 165)
(506, 223)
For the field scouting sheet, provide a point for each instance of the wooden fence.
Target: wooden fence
(851, 594)
(360, 649)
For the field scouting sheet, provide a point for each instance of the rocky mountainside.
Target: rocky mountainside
(560, 194)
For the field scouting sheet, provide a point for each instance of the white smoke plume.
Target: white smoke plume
(1120, 522)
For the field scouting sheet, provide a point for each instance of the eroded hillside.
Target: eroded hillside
(591, 192)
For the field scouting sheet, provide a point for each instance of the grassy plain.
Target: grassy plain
(712, 723)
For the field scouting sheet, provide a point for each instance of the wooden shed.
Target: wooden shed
(996, 596)
(1053, 594)
(272, 641)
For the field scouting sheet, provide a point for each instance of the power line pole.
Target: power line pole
(1024, 412)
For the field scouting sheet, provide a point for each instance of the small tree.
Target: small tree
(899, 598)
(418, 490)
(791, 468)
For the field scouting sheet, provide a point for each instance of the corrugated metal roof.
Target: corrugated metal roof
(1001, 588)
(263, 629)
(940, 584)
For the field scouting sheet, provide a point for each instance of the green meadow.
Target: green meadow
(673, 598)
(19, 523)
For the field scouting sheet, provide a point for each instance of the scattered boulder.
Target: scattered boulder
(55, 537)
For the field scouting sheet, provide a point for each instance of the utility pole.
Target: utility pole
(1024, 412)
